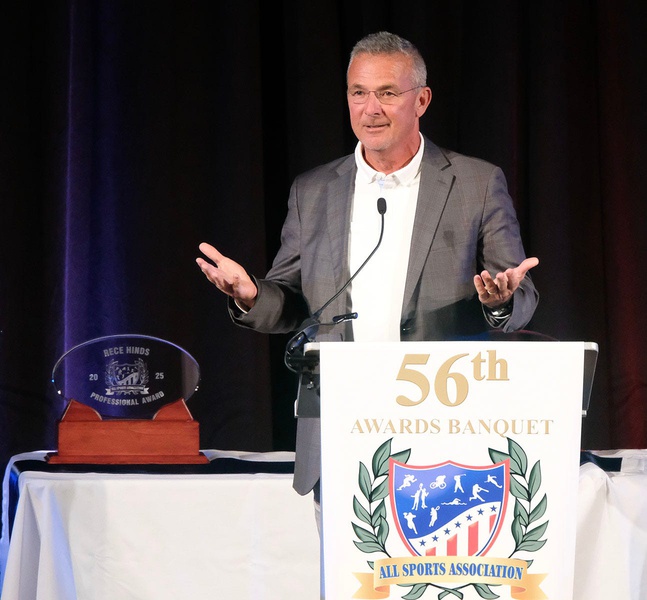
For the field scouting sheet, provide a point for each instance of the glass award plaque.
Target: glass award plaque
(126, 376)
(127, 402)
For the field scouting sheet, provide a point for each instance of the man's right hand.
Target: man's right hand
(228, 276)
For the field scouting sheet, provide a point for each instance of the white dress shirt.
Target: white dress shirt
(377, 292)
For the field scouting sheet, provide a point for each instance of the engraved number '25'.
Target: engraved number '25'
(441, 380)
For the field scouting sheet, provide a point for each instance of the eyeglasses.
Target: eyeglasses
(383, 96)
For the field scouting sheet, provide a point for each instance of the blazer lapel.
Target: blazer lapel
(436, 181)
(339, 196)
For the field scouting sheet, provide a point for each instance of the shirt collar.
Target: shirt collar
(403, 176)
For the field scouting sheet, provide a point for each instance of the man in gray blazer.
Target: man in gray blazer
(460, 271)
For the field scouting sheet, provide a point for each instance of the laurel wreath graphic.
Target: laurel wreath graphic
(524, 488)
(375, 489)
(373, 533)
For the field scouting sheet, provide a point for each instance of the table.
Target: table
(123, 536)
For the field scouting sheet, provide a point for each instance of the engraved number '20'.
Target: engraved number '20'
(444, 374)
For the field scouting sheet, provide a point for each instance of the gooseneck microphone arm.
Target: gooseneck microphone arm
(381, 208)
(308, 329)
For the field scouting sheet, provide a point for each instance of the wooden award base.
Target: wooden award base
(170, 437)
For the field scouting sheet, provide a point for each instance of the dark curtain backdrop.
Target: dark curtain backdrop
(130, 131)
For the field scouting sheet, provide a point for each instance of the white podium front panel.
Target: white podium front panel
(450, 468)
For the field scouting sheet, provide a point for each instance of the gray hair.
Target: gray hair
(384, 42)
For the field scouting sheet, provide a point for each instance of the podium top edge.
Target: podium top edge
(312, 348)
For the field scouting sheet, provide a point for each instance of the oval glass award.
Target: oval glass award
(126, 376)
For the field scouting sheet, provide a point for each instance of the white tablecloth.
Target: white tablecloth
(611, 543)
(121, 537)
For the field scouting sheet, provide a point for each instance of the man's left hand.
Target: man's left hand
(497, 291)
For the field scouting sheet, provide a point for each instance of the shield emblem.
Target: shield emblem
(449, 509)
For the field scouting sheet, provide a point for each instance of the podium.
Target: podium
(449, 469)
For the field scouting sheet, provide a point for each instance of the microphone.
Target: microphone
(308, 329)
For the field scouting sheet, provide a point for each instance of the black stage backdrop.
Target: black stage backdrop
(130, 131)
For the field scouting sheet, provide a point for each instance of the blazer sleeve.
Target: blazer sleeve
(500, 248)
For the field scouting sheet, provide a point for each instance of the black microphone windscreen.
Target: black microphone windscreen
(381, 205)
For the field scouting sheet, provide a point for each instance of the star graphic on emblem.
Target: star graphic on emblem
(457, 524)
(493, 508)
(446, 532)
(469, 517)
(423, 543)
(435, 538)
(480, 511)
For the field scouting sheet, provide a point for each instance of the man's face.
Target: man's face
(386, 129)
